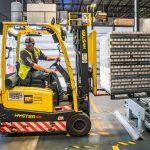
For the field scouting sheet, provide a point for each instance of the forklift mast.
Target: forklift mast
(81, 47)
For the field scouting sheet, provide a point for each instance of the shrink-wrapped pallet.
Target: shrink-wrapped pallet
(125, 63)
(105, 79)
(101, 16)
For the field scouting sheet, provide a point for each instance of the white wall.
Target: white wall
(144, 25)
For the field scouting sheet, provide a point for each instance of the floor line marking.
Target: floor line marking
(131, 142)
(93, 105)
(122, 143)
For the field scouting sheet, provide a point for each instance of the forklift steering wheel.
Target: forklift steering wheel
(54, 64)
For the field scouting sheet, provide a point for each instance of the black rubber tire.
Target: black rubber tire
(78, 125)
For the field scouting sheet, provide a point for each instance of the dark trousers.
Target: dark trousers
(47, 77)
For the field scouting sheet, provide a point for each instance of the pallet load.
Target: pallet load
(125, 63)
(101, 16)
(123, 22)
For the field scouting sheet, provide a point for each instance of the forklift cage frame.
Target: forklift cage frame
(7, 25)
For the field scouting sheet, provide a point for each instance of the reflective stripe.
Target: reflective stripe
(23, 69)
(21, 127)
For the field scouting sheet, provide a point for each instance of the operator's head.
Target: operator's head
(29, 42)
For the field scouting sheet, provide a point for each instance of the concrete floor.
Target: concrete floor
(106, 133)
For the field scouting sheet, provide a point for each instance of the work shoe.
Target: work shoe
(64, 97)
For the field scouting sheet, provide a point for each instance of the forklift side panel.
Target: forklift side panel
(28, 98)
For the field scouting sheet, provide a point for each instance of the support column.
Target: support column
(136, 15)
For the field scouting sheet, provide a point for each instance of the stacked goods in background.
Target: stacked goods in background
(125, 63)
(40, 13)
(101, 16)
(73, 18)
(79, 19)
(123, 22)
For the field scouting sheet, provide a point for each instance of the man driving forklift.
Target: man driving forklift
(28, 64)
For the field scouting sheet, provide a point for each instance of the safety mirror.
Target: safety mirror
(53, 21)
(8, 50)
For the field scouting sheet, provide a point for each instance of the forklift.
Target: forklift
(33, 107)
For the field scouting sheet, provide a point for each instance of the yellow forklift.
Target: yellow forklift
(31, 106)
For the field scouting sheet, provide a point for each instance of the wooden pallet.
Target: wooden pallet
(102, 92)
(130, 95)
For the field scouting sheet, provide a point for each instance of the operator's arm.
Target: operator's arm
(48, 58)
(40, 68)
(52, 58)
(28, 62)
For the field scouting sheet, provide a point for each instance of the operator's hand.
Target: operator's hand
(49, 71)
(57, 58)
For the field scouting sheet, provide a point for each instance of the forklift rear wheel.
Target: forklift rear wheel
(78, 125)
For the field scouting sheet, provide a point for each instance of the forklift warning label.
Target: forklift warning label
(28, 99)
(84, 39)
(84, 57)
(15, 96)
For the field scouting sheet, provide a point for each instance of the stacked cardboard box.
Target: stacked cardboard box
(73, 18)
(40, 13)
(125, 63)
(101, 16)
(73, 23)
(123, 22)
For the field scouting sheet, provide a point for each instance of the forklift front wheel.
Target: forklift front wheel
(78, 125)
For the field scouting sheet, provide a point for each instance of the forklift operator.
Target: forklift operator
(29, 63)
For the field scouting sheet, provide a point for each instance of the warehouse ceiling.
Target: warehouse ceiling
(114, 8)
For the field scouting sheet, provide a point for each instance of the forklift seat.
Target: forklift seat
(29, 81)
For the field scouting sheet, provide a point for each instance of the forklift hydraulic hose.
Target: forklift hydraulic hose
(11, 81)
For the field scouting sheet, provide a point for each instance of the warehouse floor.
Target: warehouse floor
(106, 133)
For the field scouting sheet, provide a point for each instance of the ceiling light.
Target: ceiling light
(93, 5)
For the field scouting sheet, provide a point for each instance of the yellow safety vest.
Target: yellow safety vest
(23, 69)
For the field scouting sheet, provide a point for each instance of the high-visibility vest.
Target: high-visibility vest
(23, 69)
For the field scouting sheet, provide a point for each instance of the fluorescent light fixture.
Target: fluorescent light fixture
(39, 28)
(32, 27)
(17, 27)
(93, 5)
